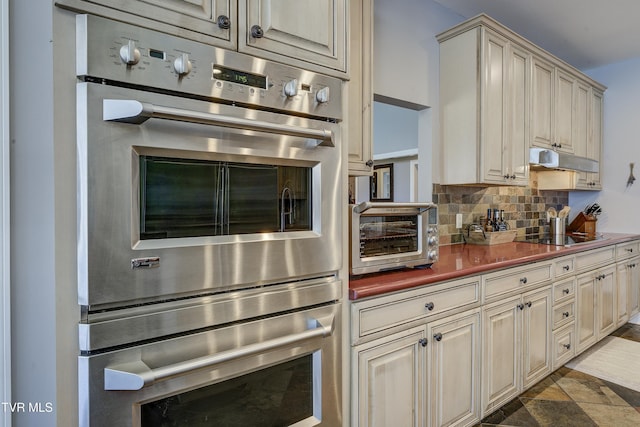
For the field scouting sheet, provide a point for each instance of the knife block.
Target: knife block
(584, 224)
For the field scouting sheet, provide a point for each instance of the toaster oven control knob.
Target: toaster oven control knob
(291, 88)
(322, 96)
(432, 230)
(433, 255)
(182, 64)
(129, 53)
(433, 240)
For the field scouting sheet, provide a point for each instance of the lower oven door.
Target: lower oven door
(180, 197)
(280, 371)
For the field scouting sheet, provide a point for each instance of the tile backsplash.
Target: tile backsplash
(524, 208)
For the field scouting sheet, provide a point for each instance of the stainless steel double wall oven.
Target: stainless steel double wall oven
(209, 206)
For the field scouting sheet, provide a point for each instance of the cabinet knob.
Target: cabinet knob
(520, 306)
(429, 306)
(513, 176)
(565, 314)
(224, 22)
(630, 250)
(529, 304)
(566, 291)
(523, 280)
(256, 32)
(369, 163)
(438, 337)
(566, 268)
(567, 346)
(423, 342)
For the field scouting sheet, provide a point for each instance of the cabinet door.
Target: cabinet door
(536, 336)
(518, 111)
(633, 286)
(308, 30)
(542, 112)
(623, 275)
(581, 127)
(501, 353)
(390, 381)
(453, 372)
(594, 149)
(606, 301)
(199, 17)
(493, 110)
(565, 85)
(360, 89)
(586, 312)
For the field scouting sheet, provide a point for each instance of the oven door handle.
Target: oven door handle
(136, 374)
(136, 112)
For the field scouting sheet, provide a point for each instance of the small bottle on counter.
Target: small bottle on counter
(488, 225)
(502, 225)
(496, 220)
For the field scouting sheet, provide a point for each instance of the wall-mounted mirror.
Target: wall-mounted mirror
(381, 183)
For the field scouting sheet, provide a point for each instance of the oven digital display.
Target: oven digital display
(241, 77)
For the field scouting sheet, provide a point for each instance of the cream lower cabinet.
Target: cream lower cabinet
(596, 306)
(390, 387)
(425, 376)
(515, 346)
(453, 370)
(628, 278)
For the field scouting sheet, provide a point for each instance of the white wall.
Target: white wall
(406, 69)
(5, 304)
(621, 143)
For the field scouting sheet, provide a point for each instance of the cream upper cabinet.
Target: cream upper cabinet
(552, 118)
(312, 31)
(591, 180)
(360, 89)
(306, 33)
(484, 107)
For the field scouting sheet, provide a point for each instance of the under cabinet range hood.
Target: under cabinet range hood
(555, 160)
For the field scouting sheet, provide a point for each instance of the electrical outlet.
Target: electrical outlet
(459, 220)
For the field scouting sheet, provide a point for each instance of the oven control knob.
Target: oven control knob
(182, 64)
(433, 240)
(433, 255)
(291, 88)
(129, 53)
(322, 95)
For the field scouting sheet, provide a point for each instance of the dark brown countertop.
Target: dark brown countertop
(464, 260)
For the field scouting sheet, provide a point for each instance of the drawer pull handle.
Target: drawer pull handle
(566, 268)
(520, 306)
(438, 337)
(423, 342)
(566, 291)
(429, 306)
(528, 304)
(565, 314)
(567, 346)
(523, 280)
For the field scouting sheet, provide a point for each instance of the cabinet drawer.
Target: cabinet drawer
(564, 314)
(564, 266)
(595, 258)
(627, 250)
(515, 279)
(564, 290)
(563, 345)
(386, 312)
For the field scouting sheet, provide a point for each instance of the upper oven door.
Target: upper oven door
(181, 197)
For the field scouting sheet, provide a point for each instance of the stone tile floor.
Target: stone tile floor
(572, 398)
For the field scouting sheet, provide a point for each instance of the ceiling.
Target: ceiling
(584, 33)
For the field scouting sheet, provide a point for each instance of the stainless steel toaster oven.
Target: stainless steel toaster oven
(386, 236)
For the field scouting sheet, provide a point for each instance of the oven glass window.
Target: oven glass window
(278, 396)
(387, 235)
(192, 198)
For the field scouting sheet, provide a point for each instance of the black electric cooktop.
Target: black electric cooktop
(562, 240)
